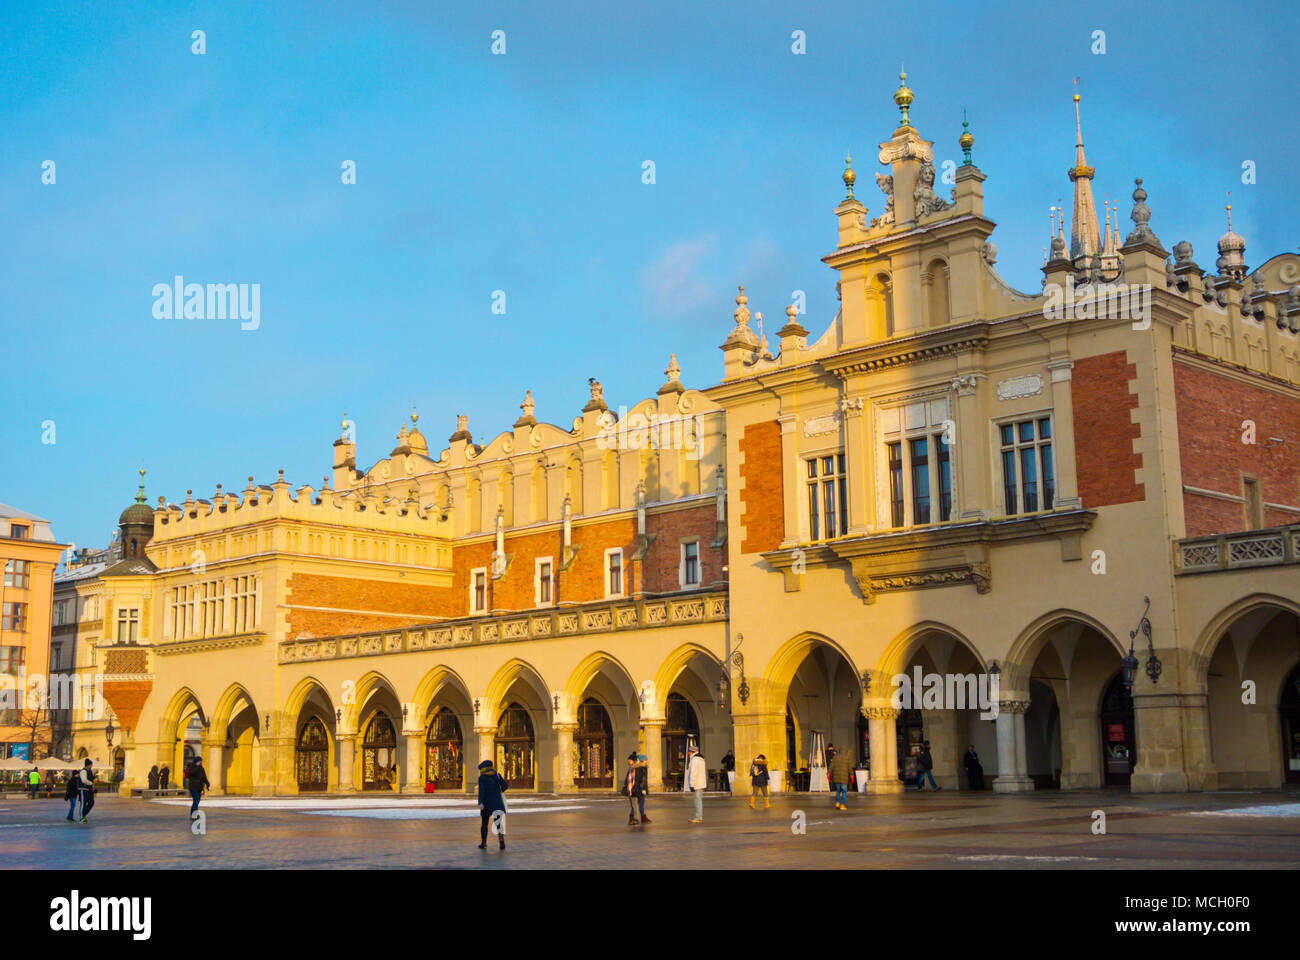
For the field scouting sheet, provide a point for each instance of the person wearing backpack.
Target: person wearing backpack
(86, 788)
(491, 803)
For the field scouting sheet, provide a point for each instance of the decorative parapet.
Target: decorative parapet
(1236, 551)
(605, 617)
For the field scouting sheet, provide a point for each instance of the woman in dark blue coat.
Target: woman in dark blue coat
(491, 786)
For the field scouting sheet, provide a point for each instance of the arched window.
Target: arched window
(444, 764)
(681, 731)
(378, 753)
(311, 757)
(593, 747)
(1118, 740)
(515, 747)
(938, 305)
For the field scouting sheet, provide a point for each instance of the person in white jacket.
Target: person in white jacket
(697, 777)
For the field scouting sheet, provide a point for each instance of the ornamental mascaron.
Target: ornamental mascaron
(948, 477)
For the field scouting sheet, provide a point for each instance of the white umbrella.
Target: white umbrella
(53, 763)
(15, 763)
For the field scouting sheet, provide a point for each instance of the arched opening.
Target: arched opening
(593, 746)
(191, 743)
(444, 764)
(1252, 716)
(1289, 709)
(311, 757)
(378, 753)
(824, 701)
(935, 279)
(681, 732)
(119, 764)
(1043, 736)
(1118, 734)
(516, 748)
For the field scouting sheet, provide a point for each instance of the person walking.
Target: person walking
(164, 777)
(491, 787)
(728, 770)
(841, 772)
(33, 782)
(635, 787)
(198, 781)
(70, 795)
(758, 780)
(86, 788)
(924, 766)
(974, 769)
(697, 777)
(153, 777)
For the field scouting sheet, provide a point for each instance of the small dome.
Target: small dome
(1231, 241)
(136, 513)
(415, 440)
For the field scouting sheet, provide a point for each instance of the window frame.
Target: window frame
(622, 574)
(549, 600)
(474, 574)
(18, 574)
(13, 616)
(898, 500)
(684, 583)
(1016, 449)
(816, 481)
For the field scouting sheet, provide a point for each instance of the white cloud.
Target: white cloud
(674, 283)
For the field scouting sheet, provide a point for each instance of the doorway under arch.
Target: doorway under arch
(1289, 710)
(516, 748)
(444, 758)
(681, 732)
(593, 746)
(378, 753)
(311, 757)
(1118, 734)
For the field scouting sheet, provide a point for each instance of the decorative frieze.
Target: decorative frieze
(1013, 388)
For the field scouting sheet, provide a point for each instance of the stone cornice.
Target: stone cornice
(899, 351)
(1259, 379)
(208, 644)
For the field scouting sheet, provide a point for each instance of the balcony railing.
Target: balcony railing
(602, 617)
(1236, 551)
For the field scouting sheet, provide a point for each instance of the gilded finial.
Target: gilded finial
(415, 416)
(849, 177)
(1229, 209)
(139, 495)
(965, 141)
(903, 97)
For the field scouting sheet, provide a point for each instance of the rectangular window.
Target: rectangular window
(828, 502)
(1254, 503)
(478, 590)
(542, 581)
(19, 531)
(12, 659)
(895, 451)
(18, 573)
(614, 573)
(1028, 469)
(128, 625)
(690, 573)
(13, 616)
(945, 478)
(920, 450)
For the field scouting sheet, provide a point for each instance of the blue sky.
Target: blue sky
(522, 173)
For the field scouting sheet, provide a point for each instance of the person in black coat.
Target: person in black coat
(925, 767)
(197, 779)
(153, 777)
(974, 770)
(491, 803)
(728, 766)
(636, 784)
(164, 777)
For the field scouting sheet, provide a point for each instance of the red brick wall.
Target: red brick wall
(663, 560)
(762, 500)
(1211, 410)
(353, 594)
(1104, 432)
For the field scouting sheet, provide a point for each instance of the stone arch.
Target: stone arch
(675, 663)
(1213, 632)
(432, 687)
(1032, 638)
(310, 700)
(499, 686)
(222, 714)
(937, 297)
(300, 694)
(365, 689)
(903, 648)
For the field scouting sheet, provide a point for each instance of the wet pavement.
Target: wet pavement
(1045, 830)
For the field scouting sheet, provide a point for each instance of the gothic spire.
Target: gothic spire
(1084, 234)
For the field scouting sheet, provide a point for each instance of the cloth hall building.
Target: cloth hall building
(949, 477)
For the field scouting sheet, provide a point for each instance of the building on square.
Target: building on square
(28, 555)
(950, 479)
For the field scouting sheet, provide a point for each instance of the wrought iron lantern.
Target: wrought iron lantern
(1154, 666)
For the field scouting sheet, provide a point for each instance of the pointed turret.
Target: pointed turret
(1084, 241)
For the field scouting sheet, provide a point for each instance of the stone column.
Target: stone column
(564, 772)
(883, 732)
(1067, 482)
(347, 763)
(413, 781)
(214, 755)
(128, 766)
(487, 737)
(941, 731)
(1011, 776)
(654, 753)
(1172, 740)
(794, 523)
(858, 463)
(275, 774)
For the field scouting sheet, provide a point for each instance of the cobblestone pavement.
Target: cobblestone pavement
(952, 830)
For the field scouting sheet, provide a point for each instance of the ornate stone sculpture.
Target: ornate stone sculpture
(989, 252)
(886, 185)
(1182, 252)
(927, 201)
(1141, 216)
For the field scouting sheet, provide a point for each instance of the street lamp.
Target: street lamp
(108, 734)
(1130, 665)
